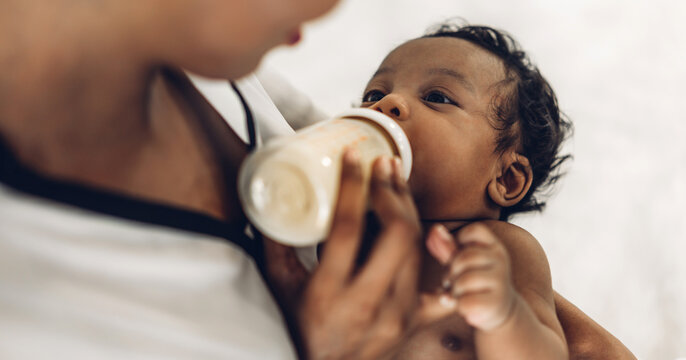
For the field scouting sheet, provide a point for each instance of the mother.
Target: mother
(120, 230)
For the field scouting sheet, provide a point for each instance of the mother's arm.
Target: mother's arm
(586, 339)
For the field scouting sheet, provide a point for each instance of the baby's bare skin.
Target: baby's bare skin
(507, 292)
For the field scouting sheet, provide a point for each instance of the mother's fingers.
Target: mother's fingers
(399, 182)
(364, 317)
(390, 195)
(388, 329)
(404, 289)
(392, 251)
(398, 245)
(285, 272)
(339, 255)
(388, 280)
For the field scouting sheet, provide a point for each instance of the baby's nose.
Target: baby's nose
(395, 111)
(393, 106)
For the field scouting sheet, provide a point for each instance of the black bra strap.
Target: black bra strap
(258, 240)
(21, 178)
(250, 121)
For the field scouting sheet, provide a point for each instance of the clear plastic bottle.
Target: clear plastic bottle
(289, 187)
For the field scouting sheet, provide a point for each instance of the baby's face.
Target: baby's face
(441, 92)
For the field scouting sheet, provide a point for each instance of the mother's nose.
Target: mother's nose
(394, 106)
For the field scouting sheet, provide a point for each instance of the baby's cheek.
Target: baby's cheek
(419, 193)
(428, 189)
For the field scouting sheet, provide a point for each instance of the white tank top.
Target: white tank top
(80, 281)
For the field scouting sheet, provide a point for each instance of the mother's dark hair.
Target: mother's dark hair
(526, 113)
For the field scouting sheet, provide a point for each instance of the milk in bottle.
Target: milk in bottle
(289, 187)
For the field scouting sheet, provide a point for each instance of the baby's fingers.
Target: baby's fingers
(476, 234)
(474, 281)
(480, 249)
(441, 244)
(484, 311)
(469, 259)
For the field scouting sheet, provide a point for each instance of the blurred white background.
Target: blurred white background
(615, 230)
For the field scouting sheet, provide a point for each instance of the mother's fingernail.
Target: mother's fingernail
(385, 168)
(443, 233)
(351, 156)
(447, 301)
(440, 244)
(397, 166)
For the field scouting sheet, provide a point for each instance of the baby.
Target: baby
(485, 131)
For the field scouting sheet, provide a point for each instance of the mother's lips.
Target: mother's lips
(294, 37)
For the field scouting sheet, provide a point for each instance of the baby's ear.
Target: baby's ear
(511, 181)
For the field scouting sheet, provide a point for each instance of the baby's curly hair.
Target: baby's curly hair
(526, 115)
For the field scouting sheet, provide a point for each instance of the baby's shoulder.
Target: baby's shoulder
(527, 257)
(512, 235)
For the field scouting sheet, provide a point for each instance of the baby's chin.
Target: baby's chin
(419, 194)
(429, 204)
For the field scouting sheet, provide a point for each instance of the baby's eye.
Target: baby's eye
(437, 97)
(372, 96)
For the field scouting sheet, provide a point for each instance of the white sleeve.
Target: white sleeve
(269, 122)
(294, 105)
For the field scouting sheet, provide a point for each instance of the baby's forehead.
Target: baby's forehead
(459, 55)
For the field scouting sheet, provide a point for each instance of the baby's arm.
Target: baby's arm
(500, 279)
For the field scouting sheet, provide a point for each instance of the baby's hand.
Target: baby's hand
(478, 278)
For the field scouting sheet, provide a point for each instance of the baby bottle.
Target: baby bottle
(289, 187)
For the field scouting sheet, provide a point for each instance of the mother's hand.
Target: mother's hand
(361, 313)
(346, 311)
